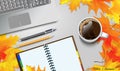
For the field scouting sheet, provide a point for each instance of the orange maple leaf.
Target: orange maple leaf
(111, 46)
(111, 29)
(95, 5)
(111, 50)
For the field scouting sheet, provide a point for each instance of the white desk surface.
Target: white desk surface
(68, 25)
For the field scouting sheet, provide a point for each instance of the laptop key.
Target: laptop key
(11, 5)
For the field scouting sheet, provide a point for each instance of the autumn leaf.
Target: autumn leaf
(111, 29)
(8, 61)
(39, 69)
(115, 11)
(64, 1)
(73, 4)
(111, 50)
(86, 1)
(95, 5)
(2, 56)
(110, 47)
(6, 43)
(30, 68)
(116, 45)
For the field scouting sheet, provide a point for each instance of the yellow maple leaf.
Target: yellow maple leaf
(73, 4)
(9, 62)
(7, 42)
(115, 11)
(30, 68)
(115, 6)
(64, 1)
(86, 1)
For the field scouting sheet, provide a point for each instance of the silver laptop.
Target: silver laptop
(16, 15)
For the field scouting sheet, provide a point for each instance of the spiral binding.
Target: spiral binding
(49, 58)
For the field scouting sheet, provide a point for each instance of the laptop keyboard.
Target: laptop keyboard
(11, 5)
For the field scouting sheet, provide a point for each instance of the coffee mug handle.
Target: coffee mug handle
(104, 35)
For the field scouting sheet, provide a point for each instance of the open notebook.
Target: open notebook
(60, 55)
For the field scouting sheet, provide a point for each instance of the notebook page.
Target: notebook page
(34, 58)
(64, 55)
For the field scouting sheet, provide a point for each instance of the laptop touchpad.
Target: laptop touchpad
(19, 20)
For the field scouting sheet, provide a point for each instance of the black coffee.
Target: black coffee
(90, 28)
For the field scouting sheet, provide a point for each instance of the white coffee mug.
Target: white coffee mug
(101, 34)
